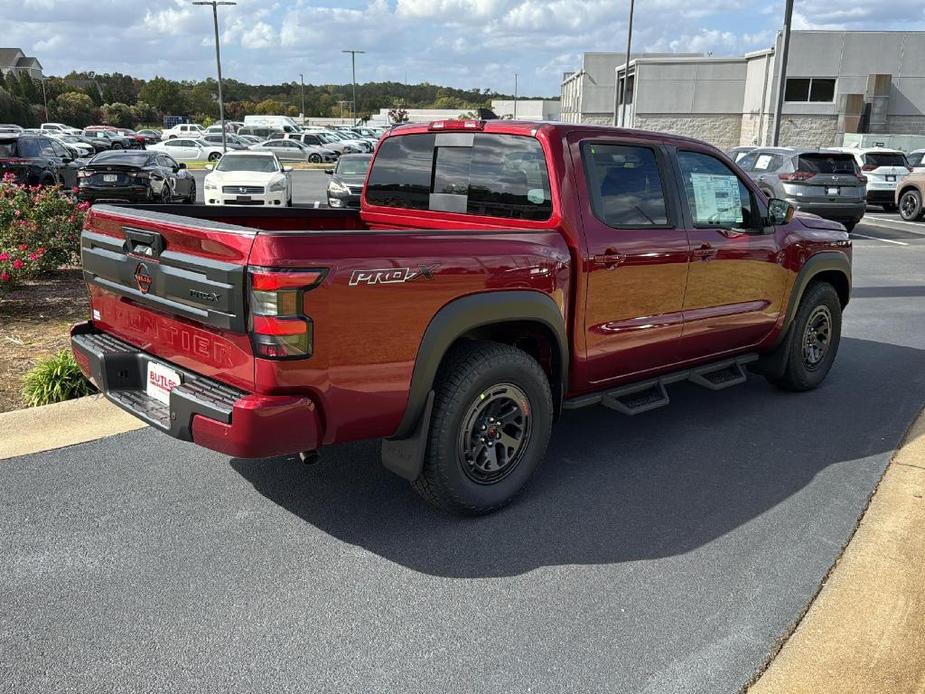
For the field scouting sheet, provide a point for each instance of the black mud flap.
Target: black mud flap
(405, 457)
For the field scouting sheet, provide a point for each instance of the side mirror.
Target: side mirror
(286, 169)
(181, 165)
(329, 172)
(779, 212)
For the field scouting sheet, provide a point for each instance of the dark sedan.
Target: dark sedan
(37, 160)
(347, 180)
(136, 176)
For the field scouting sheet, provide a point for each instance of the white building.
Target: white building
(837, 82)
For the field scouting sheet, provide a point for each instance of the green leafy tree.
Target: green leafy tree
(143, 112)
(74, 108)
(117, 114)
(164, 95)
(269, 107)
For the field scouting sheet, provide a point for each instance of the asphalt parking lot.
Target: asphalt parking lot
(663, 553)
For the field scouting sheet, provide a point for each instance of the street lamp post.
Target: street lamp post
(782, 72)
(218, 61)
(353, 66)
(514, 117)
(302, 83)
(44, 98)
(626, 70)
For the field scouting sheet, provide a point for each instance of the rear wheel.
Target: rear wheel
(910, 205)
(314, 158)
(813, 344)
(116, 145)
(489, 430)
(191, 198)
(215, 156)
(166, 196)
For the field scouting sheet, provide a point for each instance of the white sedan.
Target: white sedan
(183, 149)
(248, 178)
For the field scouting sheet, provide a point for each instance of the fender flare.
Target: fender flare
(825, 261)
(403, 451)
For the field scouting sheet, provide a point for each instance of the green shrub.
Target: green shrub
(55, 379)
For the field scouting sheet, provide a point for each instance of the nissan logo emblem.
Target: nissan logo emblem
(142, 278)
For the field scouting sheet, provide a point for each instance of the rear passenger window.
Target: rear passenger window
(474, 173)
(625, 185)
(715, 195)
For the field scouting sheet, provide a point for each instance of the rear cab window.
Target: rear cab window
(486, 174)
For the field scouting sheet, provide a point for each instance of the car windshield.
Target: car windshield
(326, 137)
(353, 167)
(878, 159)
(231, 162)
(915, 159)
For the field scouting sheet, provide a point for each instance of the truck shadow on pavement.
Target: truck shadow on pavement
(617, 489)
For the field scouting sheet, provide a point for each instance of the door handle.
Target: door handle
(609, 259)
(705, 252)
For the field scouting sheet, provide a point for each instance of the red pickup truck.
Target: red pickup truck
(497, 273)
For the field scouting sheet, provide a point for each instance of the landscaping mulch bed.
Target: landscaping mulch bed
(34, 322)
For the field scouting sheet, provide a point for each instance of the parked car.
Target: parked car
(328, 139)
(112, 139)
(292, 150)
(347, 179)
(135, 176)
(248, 178)
(231, 141)
(495, 285)
(825, 183)
(736, 153)
(151, 136)
(77, 144)
(184, 149)
(884, 168)
(185, 130)
(37, 160)
(59, 128)
(915, 160)
(285, 124)
(10, 128)
(264, 132)
(249, 139)
(909, 195)
(131, 140)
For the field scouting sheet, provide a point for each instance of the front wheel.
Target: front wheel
(489, 430)
(814, 341)
(910, 206)
(215, 156)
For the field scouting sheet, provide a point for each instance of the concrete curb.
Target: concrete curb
(38, 429)
(865, 630)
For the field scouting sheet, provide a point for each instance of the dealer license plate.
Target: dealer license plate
(161, 381)
(110, 178)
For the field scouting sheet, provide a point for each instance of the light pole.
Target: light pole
(218, 61)
(302, 83)
(626, 70)
(45, 98)
(353, 66)
(782, 72)
(514, 117)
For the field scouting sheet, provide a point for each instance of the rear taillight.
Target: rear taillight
(868, 167)
(862, 180)
(279, 326)
(796, 176)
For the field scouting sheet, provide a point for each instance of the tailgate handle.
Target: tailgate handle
(146, 243)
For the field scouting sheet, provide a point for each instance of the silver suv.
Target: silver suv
(825, 183)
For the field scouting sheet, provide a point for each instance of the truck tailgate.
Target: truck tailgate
(174, 287)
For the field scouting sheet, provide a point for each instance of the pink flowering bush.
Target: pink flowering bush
(39, 230)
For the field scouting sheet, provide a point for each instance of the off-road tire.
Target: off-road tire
(469, 373)
(819, 302)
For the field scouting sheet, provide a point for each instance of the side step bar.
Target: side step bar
(636, 398)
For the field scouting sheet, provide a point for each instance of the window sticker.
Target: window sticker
(763, 162)
(716, 199)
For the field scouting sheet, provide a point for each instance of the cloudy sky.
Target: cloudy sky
(463, 43)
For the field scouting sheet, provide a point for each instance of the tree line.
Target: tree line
(84, 98)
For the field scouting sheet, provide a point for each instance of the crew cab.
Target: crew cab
(496, 274)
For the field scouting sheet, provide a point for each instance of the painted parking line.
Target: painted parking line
(889, 222)
(877, 238)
